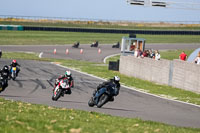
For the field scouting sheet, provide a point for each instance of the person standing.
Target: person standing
(183, 56)
(157, 55)
(197, 59)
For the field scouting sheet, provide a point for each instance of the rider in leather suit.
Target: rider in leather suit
(15, 64)
(5, 73)
(108, 84)
(68, 76)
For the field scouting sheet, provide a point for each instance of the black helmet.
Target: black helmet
(5, 68)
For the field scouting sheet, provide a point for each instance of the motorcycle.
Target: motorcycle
(13, 73)
(2, 83)
(61, 87)
(101, 97)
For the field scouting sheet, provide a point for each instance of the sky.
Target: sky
(95, 9)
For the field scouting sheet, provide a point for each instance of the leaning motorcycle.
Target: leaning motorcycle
(101, 97)
(61, 87)
(2, 83)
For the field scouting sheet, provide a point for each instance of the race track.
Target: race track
(89, 54)
(34, 85)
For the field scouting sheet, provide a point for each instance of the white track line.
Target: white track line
(127, 86)
(40, 55)
(104, 60)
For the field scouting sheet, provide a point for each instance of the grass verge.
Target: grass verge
(22, 117)
(101, 24)
(52, 38)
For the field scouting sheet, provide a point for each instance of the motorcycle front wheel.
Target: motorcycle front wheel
(102, 100)
(56, 95)
(91, 102)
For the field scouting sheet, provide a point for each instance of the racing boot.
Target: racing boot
(94, 92)
(111, 99)
(68, 92)
(62, 94)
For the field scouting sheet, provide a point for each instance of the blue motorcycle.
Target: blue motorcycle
(102, 96)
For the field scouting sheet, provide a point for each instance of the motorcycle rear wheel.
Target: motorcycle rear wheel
(102, 100)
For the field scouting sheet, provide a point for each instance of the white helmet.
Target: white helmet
(68, 73)
(116, 78)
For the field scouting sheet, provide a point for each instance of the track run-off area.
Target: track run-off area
(35, 83)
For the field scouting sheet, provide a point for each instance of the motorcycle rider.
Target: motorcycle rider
(109, 84)
(5, 73)
(15, 64)
(69, 77)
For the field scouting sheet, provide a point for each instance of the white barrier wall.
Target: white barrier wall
(175, 73)
(186, 75)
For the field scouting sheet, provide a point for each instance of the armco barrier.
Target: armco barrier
(11, 27)
(176, 73)
(120, 31)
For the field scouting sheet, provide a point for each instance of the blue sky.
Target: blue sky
(95, 9)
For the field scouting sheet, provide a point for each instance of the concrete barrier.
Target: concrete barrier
(186, 75)
(175, 73)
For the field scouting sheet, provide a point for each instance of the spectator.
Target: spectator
(145, 53)
(139, 53)
(132, 47)
(136, 53)
(152, 54)
(148, 53)
(197, 59)
(183, 56)
(157, 55)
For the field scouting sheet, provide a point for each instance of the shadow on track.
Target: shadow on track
(118, 109)
(70, 101)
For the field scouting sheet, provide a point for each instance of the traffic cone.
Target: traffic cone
(99, 51)
(54, 51)
(67, 51)
(81, 51)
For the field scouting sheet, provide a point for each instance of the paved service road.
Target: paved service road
(89, 54)
(34, 85)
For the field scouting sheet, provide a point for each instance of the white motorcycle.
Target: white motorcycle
(61, 87)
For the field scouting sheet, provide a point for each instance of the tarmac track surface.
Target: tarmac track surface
(34, 85)
(89, 54)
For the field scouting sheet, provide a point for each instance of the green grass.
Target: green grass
(174, 54)
(19, 117)
(52, 38)
(106, 25)
(102, 71)
(21, 55)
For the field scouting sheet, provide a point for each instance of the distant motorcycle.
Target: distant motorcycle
(101, 97)
(61, 87)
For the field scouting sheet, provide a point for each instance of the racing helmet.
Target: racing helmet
(5, 68)
(14, 61)
(116, 79)
(68, 73)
